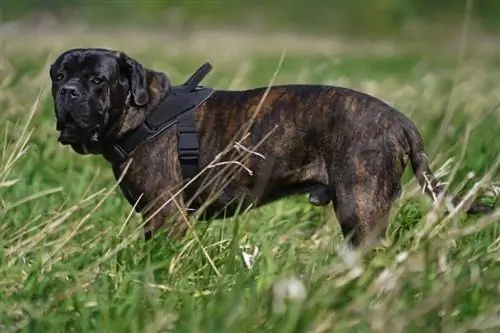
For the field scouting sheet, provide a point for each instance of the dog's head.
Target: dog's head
(93, 90)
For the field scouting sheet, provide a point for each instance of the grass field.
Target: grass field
(74, 260)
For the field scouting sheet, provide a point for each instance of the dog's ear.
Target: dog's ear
(136, 75)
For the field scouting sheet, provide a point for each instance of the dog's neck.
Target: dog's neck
(158, 88)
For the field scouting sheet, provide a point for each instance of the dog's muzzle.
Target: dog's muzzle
(83, 139)
(81, 144)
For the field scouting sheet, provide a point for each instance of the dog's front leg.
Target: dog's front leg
(168, 216)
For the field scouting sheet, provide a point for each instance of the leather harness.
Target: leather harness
(177, 108)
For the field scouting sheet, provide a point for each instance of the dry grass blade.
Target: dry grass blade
(449, 107)
(76, 228)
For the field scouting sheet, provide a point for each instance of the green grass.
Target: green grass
(73, 258)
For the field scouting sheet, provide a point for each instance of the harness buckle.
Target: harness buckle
(188, 143)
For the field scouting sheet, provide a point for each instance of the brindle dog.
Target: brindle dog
(335, 143)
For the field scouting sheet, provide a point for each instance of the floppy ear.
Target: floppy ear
(136, 75)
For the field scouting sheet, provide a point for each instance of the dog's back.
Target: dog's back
(295, 133)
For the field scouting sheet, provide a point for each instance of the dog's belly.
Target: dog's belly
(311, 178)
(318, 192)
(229, 203)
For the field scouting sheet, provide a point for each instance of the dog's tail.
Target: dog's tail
(426, 178)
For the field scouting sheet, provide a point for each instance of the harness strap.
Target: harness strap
(188, 149)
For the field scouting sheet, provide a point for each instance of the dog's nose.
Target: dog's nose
(70, 91)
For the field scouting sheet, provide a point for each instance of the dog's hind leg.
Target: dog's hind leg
(362, 212)
(363, 195)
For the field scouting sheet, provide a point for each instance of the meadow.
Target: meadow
(73, 258)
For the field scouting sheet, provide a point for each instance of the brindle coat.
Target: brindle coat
(338, 144)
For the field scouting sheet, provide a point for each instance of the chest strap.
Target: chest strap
(178, 108)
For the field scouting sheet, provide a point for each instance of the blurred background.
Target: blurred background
(367, 18)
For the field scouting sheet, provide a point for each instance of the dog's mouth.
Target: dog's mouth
(85, 136)
(83, 141)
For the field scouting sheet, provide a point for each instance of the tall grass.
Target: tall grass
(73, 257)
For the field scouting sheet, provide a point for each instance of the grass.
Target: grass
(73, 257)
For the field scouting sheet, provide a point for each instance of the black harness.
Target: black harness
(177, 108)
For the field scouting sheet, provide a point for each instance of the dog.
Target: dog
(337, 144)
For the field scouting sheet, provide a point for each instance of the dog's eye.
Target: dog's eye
(96, 80)
(59, 77)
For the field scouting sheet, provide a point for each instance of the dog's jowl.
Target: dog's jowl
(339, 145)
